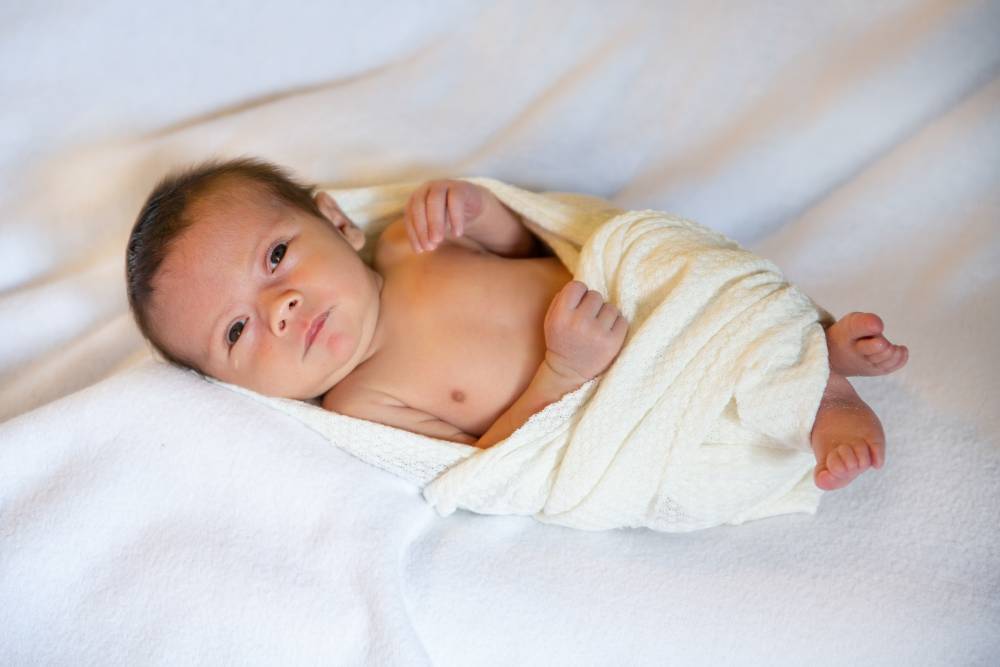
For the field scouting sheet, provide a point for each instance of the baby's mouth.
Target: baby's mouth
(314, 329)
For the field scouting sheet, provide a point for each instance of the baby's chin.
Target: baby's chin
(309, 394)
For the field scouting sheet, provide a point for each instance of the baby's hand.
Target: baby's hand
(437, 206)
(583, 334)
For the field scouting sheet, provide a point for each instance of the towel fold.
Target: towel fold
(703, 419)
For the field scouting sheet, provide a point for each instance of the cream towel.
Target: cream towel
(703, 419)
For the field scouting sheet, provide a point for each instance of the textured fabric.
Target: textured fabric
(151, 518)
(703, 418)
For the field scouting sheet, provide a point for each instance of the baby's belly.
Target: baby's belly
(477, 336)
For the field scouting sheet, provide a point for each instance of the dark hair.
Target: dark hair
(166, 215)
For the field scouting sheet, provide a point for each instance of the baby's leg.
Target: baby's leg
(847, 437)
(857, 347)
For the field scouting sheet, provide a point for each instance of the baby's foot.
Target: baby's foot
(847, 437)
(857, 347)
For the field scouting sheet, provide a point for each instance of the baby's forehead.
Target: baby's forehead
(210, 259)
(235, 197)
(220, 224)
(232, 217)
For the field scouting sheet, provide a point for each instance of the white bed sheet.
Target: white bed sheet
(149, 517)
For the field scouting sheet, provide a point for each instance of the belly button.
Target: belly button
(457, 396)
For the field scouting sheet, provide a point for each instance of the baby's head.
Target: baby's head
(228, 265)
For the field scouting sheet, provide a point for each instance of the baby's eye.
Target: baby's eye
(238, 328)
(276, 255)
(277, 251)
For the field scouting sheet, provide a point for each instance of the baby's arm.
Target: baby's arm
(439, 208)
(583, 336)
(547, 386)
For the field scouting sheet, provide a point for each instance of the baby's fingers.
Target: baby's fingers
(455, 211)
(591, 303)
(417, 219)
(408, 225)
(571, 294)
(412, 234)
(607, 316)
(437, 199)
(620, 327)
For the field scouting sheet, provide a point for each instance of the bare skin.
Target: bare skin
(857, 347)
(444, 334)
(847, 437)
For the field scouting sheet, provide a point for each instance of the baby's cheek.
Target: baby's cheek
(333, 341)
(336, 342)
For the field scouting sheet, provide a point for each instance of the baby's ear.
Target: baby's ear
(332, 212)
(328, 206)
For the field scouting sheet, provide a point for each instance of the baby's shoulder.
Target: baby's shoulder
(393, 247)
(390, 246)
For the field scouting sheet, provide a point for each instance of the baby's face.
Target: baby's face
(239, 291)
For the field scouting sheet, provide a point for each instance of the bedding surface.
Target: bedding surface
(150, 517)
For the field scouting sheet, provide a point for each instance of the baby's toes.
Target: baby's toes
(863, 456)
(900, 354)
(876, 450)
(861, 325)
(828, 482)
(875, 349)
(842, 462)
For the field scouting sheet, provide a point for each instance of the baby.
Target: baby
(462, 325)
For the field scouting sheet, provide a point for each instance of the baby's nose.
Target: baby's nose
(282, 312)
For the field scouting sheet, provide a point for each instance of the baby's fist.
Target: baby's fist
(438, 206)
(583, 334)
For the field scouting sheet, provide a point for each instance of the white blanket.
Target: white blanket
(148, 517)
(703, 419)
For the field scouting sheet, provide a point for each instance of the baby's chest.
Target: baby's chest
(473, 340)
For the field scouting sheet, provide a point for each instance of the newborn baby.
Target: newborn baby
(463, 325)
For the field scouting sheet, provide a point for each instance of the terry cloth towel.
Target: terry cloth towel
(703, 419)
